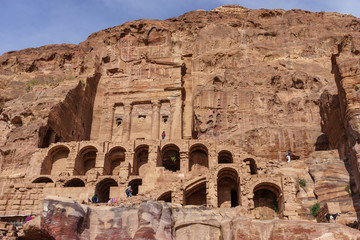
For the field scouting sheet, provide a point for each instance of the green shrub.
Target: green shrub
(173, 158)
(356, 88)
(314, 209)
(348, 190)
(302, 182)
(275, 206)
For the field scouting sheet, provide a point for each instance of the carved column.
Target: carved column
(184, 162)
(176, 124)
(155, 120)
(127, 122)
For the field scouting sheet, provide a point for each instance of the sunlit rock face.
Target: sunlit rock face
(198, 109)
(64, 219)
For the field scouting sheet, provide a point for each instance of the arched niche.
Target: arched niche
(268, 195)
(75, 182)
(55, 162)
(135, 186)
(225, 157)
(170, 156)
(228, 188)
(166, 197)
(85, 160)
(198, 157)
(113, 159)
(103, 189)
(252, 165)
(141, 158)
(43, 180)
(196, 194)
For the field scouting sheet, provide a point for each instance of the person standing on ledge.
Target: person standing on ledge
(128, 192)
(95, 198)
(288, 156)
(163, 135)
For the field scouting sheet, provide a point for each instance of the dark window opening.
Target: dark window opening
(118, 121)
(234, 198)
(165, 119)
(142, 116)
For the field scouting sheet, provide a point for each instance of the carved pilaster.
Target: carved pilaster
(155, 120)
(127, 122)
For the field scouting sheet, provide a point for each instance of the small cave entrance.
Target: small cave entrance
(166, 197)
(252, 165)
(141, 158)
(268, 195)
(103, 189)
(228, 188)
(135, 186)
(171, 158)
(198, 157)
(113, 161)
(43, 180)
(196, 195)
(55, 162)
(225, 157)
(85, 161)
(75, 182)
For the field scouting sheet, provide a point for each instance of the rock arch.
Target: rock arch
(43, 180)
(103, 189)
(141, 158)
(225, 157)
(267, 194)
(166, 197)
(75, 182)
(195, 193)
(113, 160)
(198, 157)
(55, 161)
(228, 187)
(85, 160)
(170, 156)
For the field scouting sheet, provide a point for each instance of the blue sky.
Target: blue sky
(33, 23)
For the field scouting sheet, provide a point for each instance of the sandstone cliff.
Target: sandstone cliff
(66, 219)
(260, 81)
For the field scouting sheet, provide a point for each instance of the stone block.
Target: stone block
(15, 202)
(27, 202)
(2, 207)
(290, 213)
(15, 207)
(3, 202)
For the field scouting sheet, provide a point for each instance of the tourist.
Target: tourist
(128, 192)
(288, 156)
(163, 135)
(95, 198)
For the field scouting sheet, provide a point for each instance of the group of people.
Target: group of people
(95, 198)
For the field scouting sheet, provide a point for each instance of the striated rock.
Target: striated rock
(64, 219)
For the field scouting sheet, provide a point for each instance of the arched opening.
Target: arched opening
(140, 159)
(225, 157)
(196, 195)
(166, 197)
(43, 180)
(114, 158)
(228, 188)
(252, 165)
(268, 195)
(75, 182)
(198, 157)
(171, 158)
(103, 189)
(135, 186)
(55, 161)
(85, 160)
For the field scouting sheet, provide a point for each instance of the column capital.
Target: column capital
(155, 103)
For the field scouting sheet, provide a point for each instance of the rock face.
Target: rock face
(64, 219)
(194, 110)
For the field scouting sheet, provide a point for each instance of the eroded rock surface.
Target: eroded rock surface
(64, 219)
